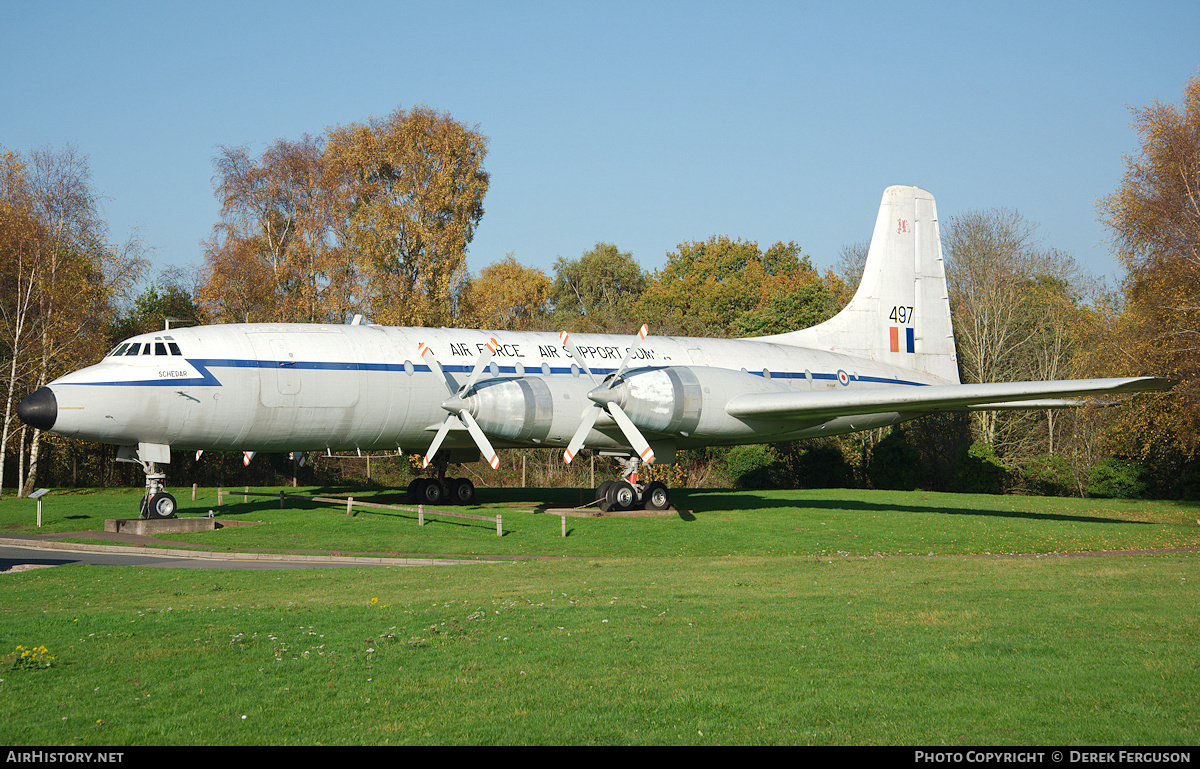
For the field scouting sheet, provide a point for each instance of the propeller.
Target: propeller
(603, 400)
(457, 405)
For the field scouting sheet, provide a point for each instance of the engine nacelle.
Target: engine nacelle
(686, 400)
(530, 409)
(517, 409)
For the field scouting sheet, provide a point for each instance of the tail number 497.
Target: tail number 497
(901, 314)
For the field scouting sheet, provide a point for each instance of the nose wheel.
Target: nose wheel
(157, 504)
(161, 505)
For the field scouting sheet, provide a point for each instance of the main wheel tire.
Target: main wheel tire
(656, 497)
(429, 492)
(621, 496)
(462, 491)
(162, 505)
(602, 490)
(412, 487)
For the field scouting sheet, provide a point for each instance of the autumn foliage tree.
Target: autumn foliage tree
(507, 295)
(598, 291)
(370, 218)
(410, 189)
(1154, 217)
(723, 287)
(62, 280)
(274, 256)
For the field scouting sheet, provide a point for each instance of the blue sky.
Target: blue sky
(640, 124)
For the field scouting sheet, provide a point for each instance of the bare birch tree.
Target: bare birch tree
(64, 274)
(990, 257)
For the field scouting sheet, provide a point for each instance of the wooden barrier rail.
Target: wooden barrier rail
(350, 502)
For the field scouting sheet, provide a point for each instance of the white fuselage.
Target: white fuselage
(290, 387)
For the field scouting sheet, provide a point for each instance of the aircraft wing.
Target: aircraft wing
(1000, 395)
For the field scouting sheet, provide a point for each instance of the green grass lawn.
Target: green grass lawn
(805, 617)
(850, 522)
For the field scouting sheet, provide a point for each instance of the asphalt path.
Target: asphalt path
(23, 553)
(13, 559)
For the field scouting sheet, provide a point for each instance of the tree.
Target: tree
(990, 255)
(806, 306)
(410, 191)
(238, 286)
(1154, 217)
(1053, 314)
(598, 291)
(851, 261)
(274, 255)
(62, 278)
(152, 308)
(708, 288)
(507, 295)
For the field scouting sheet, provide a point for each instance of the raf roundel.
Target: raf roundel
(843, 377)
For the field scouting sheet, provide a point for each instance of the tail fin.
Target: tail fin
(900, 314)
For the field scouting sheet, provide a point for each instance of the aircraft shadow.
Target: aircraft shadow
(714, 502)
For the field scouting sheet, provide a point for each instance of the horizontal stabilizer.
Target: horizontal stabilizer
(1001, 395)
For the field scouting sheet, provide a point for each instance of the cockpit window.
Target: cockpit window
(156, 347)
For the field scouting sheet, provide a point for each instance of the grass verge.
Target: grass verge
(765, 618)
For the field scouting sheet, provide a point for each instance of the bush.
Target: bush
(979, 471)
(1049, 475)
(895, 464)
(1117, 479)
(940, 440)
(1187, 483)
(751, 467)
(824, 467)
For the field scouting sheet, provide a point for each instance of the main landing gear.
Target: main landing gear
(442, 490)
(630, 494)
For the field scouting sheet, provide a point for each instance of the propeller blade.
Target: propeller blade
(480, 437)
(589, 419)
(633, 349)
(485, 358)
(426, 353)
(565, 338)
(632, 434)
(437, 440)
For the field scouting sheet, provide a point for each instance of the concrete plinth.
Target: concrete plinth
(150, 527)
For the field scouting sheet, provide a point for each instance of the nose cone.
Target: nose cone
(39, 409)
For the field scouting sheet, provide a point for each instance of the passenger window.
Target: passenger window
(160, 348)
(133, 348)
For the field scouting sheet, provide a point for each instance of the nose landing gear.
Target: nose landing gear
(157, 503)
